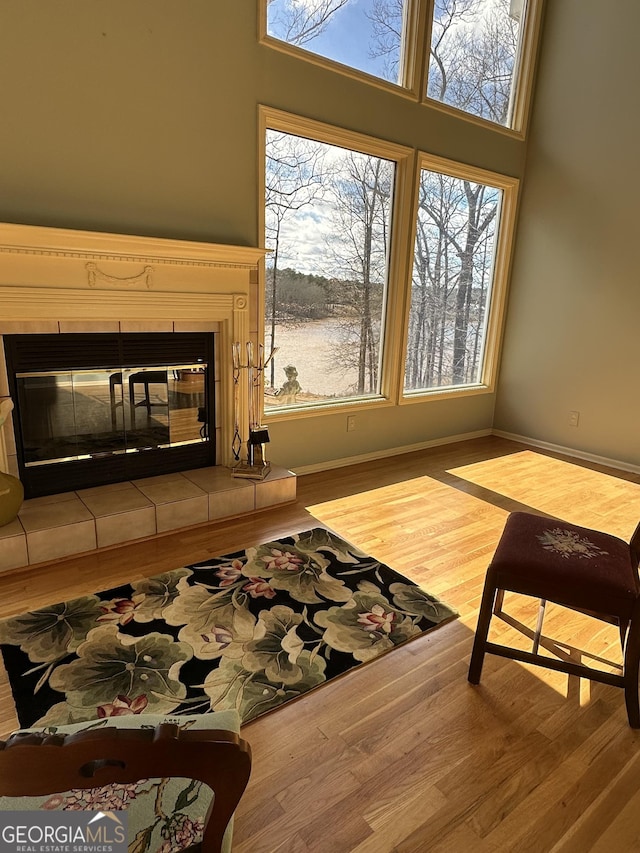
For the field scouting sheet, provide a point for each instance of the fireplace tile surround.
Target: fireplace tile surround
(60, 281)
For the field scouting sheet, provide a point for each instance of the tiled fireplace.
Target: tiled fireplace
(59, 282)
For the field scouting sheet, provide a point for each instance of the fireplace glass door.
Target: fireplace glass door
(104, 408)
(89, 414)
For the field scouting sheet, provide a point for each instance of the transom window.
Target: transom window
(473, 60)
(475, 55)
(367, 35)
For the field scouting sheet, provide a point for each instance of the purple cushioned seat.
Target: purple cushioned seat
(575, 566)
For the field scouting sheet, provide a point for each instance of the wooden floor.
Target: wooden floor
(403, 754)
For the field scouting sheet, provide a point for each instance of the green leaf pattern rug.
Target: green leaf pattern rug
(249, 630)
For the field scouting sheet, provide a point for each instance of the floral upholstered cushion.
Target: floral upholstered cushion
(164, 815)
(562, 562)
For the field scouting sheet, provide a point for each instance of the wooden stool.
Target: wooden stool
(578, 568)
(146, 378)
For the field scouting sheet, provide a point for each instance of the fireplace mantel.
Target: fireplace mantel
(57, 280)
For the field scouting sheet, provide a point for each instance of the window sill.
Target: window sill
(273, 415)
(425, 396)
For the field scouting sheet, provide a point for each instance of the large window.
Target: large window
(328, 215)
(475, 55)
(369, 298)
(463, 225)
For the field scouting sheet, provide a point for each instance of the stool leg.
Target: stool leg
(631, 670)
(624, 626)
(536, 638)
(482, 630)
(112, 400)
(147, 399)
(132, 403)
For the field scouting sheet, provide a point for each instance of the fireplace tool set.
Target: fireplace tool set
(255, 466)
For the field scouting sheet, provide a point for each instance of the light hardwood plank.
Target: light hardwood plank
(402, 754)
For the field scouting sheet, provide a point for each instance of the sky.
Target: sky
(308, 232)
(346, 38)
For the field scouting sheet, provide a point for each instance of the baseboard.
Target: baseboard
(384, 454)
(452, 439)
(569, 451)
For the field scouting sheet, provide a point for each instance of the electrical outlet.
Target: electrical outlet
(574, 419)
(351, 423)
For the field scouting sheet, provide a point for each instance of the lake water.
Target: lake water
(311, 347)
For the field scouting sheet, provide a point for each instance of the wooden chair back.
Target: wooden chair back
(34, 764)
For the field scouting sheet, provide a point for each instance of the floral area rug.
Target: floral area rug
(249, 630)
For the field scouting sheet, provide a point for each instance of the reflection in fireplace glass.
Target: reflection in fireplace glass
(82, 414)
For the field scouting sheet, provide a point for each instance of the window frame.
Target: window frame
(496, 306)
(418, 45)
(400, 224)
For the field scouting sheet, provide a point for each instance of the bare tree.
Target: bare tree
(362, 190)
(452, 262)
(447, 53)
(294, 178)
(434, 280)
(300, 21)
(474, 49)
(473, 55)
(479, 218)
(388, 25)
(473, 52)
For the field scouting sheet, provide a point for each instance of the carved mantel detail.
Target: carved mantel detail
(94, 274)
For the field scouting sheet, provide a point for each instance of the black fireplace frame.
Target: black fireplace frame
(111, 351)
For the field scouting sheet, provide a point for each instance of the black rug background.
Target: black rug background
(30, 707)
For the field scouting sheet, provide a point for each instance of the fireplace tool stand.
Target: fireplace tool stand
(255, 466)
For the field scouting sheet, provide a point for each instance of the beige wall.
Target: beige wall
(141, 117)
(571, 341)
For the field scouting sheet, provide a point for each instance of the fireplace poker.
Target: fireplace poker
(236, 443)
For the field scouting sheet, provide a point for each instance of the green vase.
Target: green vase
(11, 497)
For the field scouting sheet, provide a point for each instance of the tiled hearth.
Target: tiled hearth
(49, 528)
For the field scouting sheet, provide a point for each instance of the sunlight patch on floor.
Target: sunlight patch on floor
(395, 498)
(548, 485)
